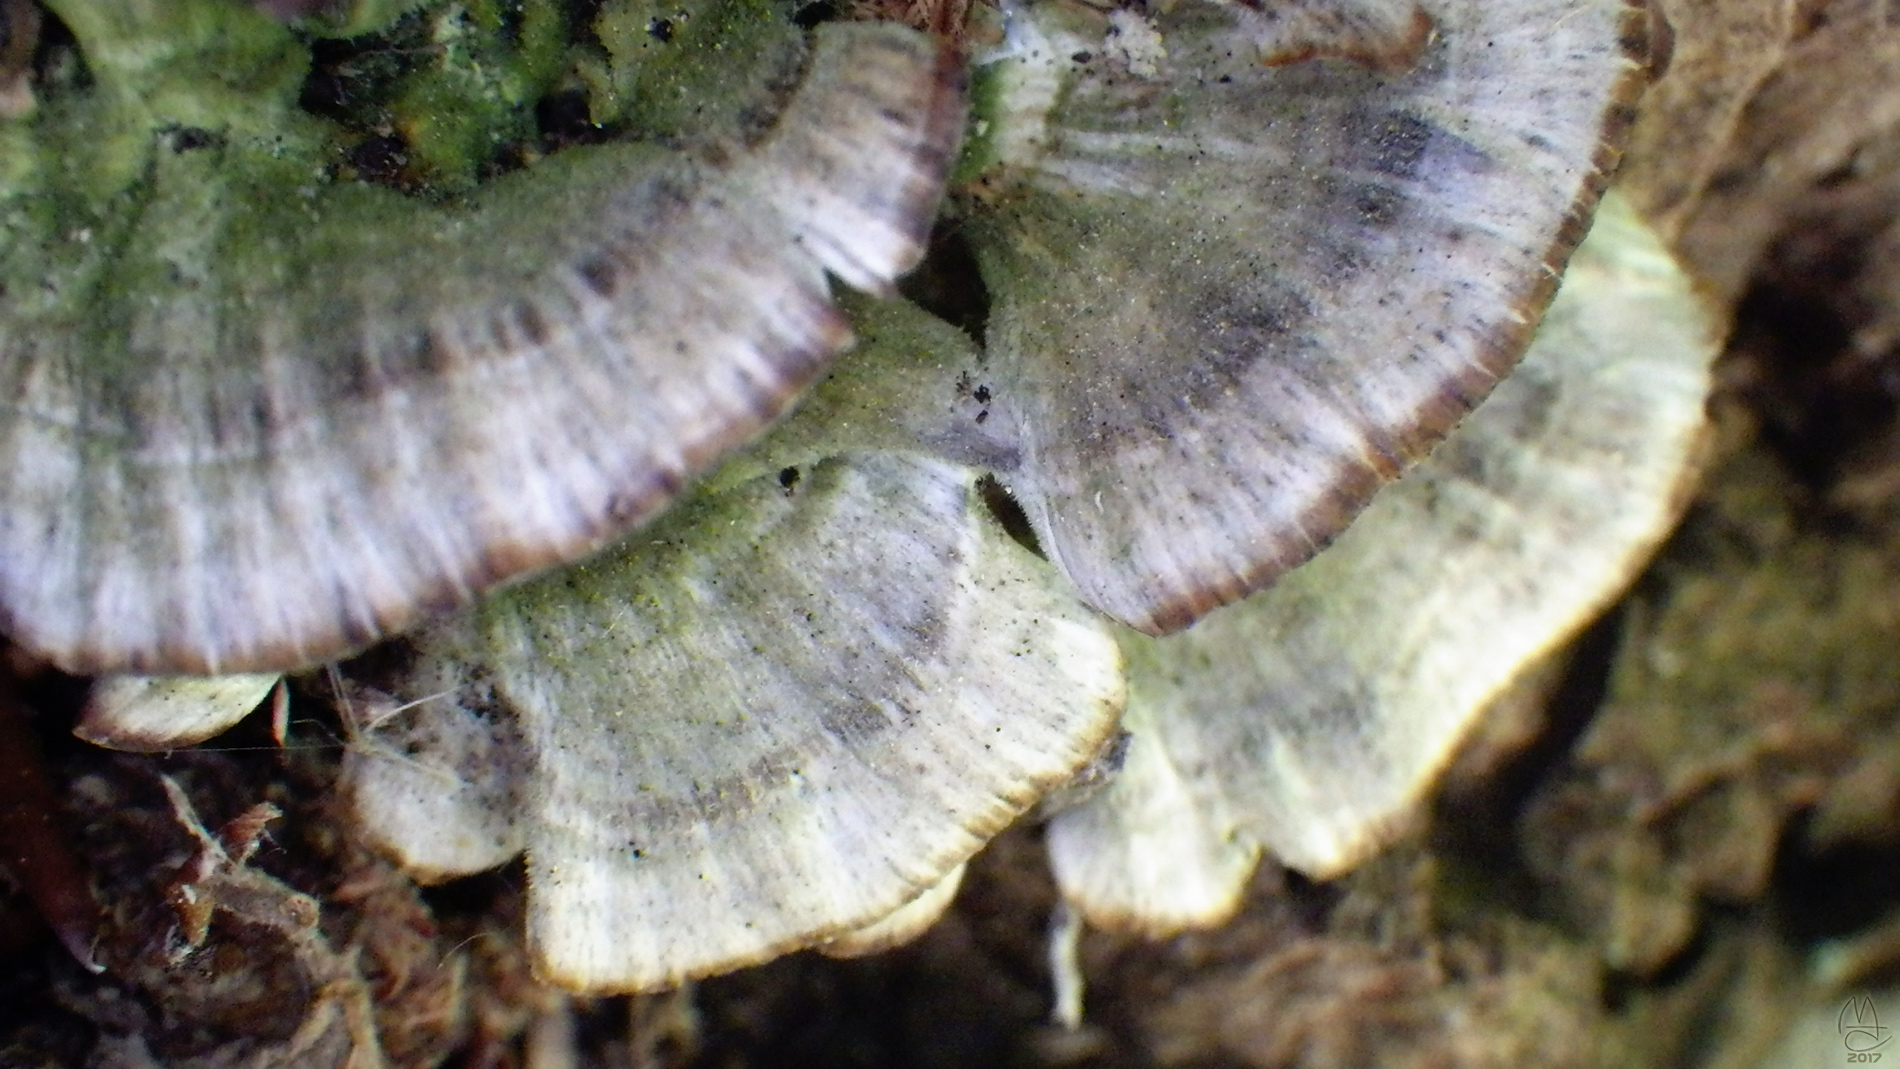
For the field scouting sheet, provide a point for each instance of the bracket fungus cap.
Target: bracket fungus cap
(1309, 720)
(1232, 300)
(148, 713)
(787, 710)
(255, 419)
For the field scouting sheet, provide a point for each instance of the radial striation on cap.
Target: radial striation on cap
(783, 712)
(1309, 720)
(255, 419)
(1231, 300)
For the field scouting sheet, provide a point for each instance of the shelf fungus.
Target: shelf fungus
(258, 416)
(1308, 720)
(147, 713)
(1230, 300)
(784, 713)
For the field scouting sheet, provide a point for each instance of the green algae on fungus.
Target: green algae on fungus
(674, 69)
(784, 712)
(260, 416)
(780, 717)
(656, 707)
(480, 91)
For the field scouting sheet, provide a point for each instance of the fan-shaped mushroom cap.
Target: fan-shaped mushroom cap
(1310, 718)
(166, 712)
(436, 780)
(777, 716)
(256, 420)
(1229, 300)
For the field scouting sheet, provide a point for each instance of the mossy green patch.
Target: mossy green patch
(673, 68)
(490, 63)
(176, 144)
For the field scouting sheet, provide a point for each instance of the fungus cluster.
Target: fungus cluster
(1306, 721)
(1245, 265)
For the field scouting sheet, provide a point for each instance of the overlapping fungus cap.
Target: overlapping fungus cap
(1308, 720)
(1229, 299)
(785, 712)
(758, 729)
(258, 416)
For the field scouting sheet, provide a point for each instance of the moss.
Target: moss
(177, 157)
(670, 70)
(456, 85)
(492, 62)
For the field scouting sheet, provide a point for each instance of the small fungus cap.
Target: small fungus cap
(168, 712)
